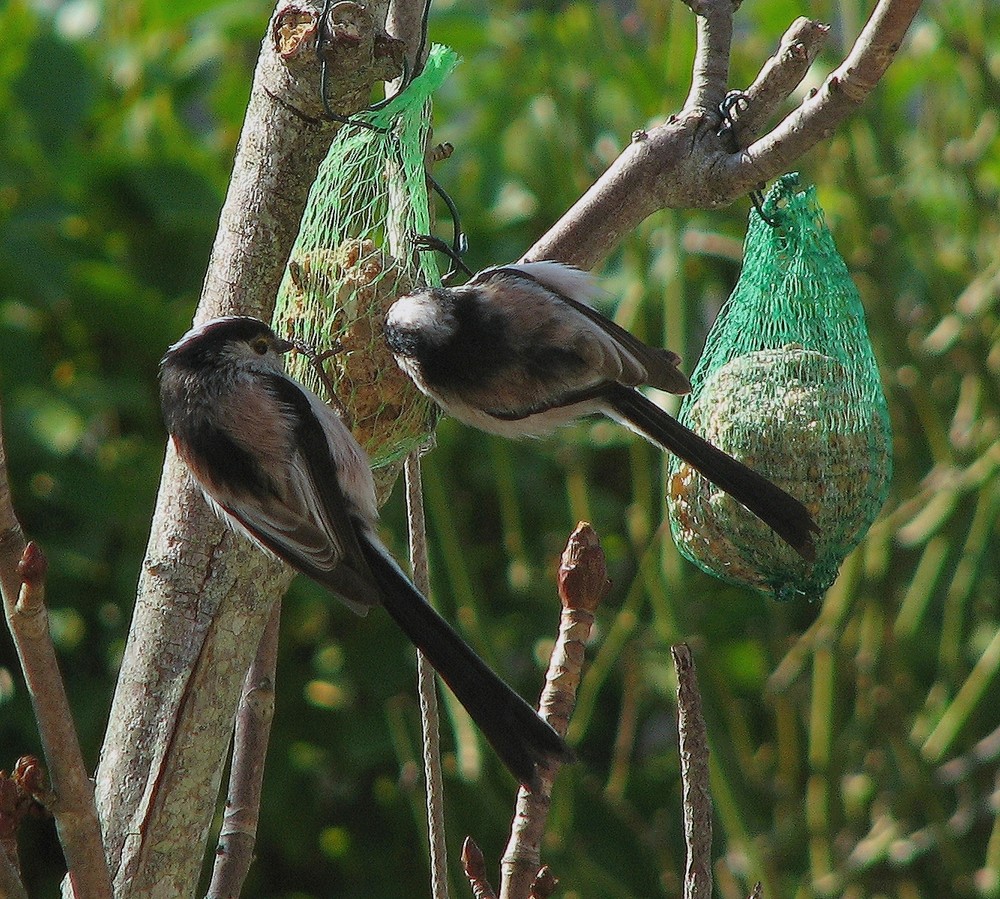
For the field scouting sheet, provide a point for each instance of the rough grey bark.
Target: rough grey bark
(204, 594)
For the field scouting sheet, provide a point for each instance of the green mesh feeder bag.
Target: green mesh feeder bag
(354, 255)
(789, 385)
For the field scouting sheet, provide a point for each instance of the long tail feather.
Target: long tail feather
(780, 511)
(514, 730)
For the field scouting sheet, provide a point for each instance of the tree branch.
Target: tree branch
(684, 163)
(780, 75)
(583, 583)
(693, 741)
(205, 595)
(22, 583)
(427, 685)
(843, 91)
(710, 72)
(238, 834)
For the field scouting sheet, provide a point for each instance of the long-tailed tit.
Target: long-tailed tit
(282, 468)
(518, 351)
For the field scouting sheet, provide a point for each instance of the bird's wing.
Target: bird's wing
(308, 521)
(638, 363)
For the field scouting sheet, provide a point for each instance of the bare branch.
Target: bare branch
(22, 582)
(427, 685)
(406, 20)
(843, 91)
(583, 583)
(780, 75)
(683, 163)
(12, 542)
(238, 834)
(694, 776)
(710, 73)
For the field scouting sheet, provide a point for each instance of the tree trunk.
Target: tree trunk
(205, 594)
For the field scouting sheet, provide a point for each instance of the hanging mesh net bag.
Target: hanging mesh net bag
(354, 255)
(789, 385)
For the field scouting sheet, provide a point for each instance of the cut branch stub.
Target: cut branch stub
(355, 48)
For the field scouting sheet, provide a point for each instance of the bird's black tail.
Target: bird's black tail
(519, 736)
(780, 511)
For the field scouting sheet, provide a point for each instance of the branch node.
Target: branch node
(30, 605)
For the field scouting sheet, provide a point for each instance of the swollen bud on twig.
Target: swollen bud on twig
(33, 565)
(583, 572)
(545, 884)
(475, 869)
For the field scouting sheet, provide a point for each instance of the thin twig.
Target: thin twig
(406, 20)
(238, 834)
(583, 583)
(693, 742)
(427, 686)
(22, 582)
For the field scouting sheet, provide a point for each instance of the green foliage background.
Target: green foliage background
(854, 744)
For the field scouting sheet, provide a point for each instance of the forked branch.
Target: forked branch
(685, 163)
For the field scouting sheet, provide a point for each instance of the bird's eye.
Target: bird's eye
(261, 345)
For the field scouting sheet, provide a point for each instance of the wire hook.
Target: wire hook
(735, 102)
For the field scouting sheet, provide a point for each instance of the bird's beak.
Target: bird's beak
(283, 346)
